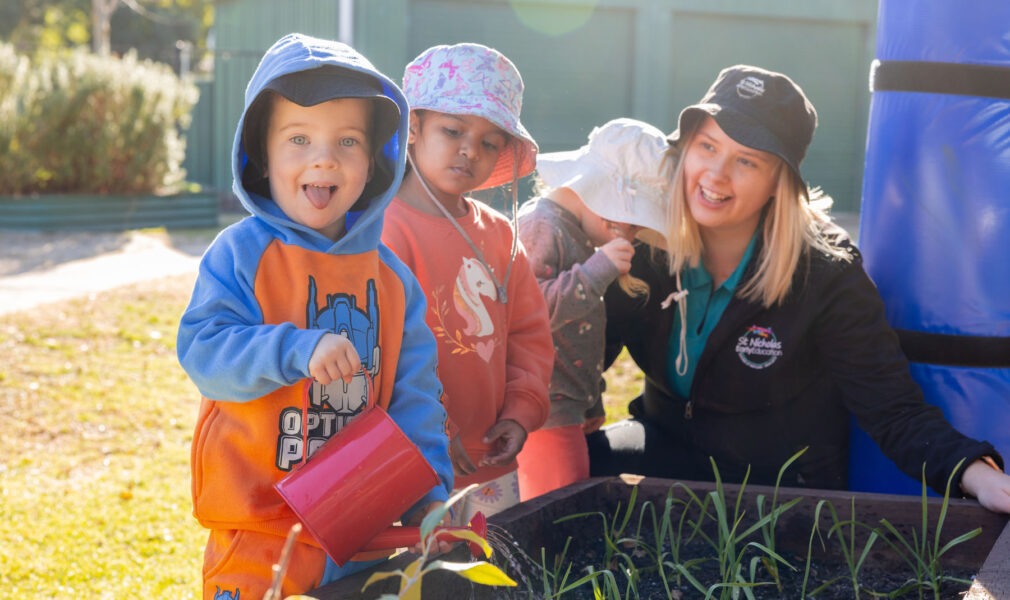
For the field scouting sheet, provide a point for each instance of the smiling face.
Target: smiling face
(319, 159)
(726, 184)
(454, 153)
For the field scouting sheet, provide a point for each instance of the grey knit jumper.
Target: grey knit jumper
(573, 276)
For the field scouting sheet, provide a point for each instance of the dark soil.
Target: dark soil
(588, 549)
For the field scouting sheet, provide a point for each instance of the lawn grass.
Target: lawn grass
(96, 422)
(96, 419)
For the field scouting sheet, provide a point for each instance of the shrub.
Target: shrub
(73, 122)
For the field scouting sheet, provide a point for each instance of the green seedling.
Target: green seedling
(730, 545)
(918, 553)
(814, 530)
(555, 582)
(613, 529)
(677, 537)
(848, 546)
(774, 512)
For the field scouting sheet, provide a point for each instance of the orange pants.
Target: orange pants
(552, 458)
(239, 562)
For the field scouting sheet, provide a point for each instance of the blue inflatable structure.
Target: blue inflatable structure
(935, 221)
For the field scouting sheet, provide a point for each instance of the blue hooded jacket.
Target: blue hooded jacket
(267, 291)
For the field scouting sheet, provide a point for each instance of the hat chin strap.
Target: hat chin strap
(500, 287)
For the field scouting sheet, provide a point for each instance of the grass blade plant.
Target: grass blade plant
(613, 529)
(848, 546)
(727, 544)
(555, 582)
(815, 529)
(774, 512)
(677, 539)
(918, 553)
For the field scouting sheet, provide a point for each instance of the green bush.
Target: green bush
(73, 122)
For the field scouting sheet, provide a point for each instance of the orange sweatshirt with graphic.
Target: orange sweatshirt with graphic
(494, 358)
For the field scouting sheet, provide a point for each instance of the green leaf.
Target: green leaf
(478, 572)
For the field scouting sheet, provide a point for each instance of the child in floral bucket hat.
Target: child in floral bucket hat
(490, 321)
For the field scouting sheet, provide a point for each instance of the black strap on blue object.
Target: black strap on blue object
(959, 79)
(955, 350)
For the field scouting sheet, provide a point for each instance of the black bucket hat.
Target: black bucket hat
(758, 108)
(311, 87)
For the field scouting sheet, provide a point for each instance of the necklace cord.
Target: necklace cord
(500, 287)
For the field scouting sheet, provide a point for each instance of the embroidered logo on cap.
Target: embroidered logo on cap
(750, 87)
(758, 348)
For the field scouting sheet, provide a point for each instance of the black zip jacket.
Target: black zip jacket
(772, 381)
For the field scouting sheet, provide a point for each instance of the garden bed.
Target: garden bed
(532, 525)
(95, 212)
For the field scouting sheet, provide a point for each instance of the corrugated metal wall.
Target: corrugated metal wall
(200, 148)
(585, 62)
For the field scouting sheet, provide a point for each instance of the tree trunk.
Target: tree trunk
(101, 16)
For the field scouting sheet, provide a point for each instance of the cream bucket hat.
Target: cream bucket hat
(621, 175)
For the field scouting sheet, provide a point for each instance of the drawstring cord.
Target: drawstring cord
(681, 363)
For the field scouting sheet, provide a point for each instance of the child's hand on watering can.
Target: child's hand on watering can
(440, 546)
(334, 359)
(461, 463)
(506, 438)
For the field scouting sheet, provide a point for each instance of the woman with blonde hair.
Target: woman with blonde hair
(762, 333)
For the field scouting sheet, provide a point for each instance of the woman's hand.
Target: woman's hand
(506, 438)
(990, 487)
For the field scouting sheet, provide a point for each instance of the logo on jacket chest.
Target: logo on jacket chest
(758, 348)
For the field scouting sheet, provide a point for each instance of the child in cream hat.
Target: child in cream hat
(579, 235)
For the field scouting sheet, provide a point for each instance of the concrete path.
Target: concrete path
(42, 268)
(79, 264)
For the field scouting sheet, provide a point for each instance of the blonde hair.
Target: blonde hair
(792, 229)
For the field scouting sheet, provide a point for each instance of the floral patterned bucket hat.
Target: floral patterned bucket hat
(472, 79)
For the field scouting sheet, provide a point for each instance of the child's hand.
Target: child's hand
(593, 424)
(461, 462)
(440, 546)
(506, 438)
(620, 252)
(333, 359)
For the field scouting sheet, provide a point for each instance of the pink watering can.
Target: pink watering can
(361, 480)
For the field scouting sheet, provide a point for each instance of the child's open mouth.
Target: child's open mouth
(319, 195)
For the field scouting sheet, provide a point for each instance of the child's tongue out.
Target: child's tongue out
(319, 196)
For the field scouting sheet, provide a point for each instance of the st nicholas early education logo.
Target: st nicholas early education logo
(758, 348)
(750, 87)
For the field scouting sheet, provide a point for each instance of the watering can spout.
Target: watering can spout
(406, 536)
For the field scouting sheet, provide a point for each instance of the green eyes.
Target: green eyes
(301, 140)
